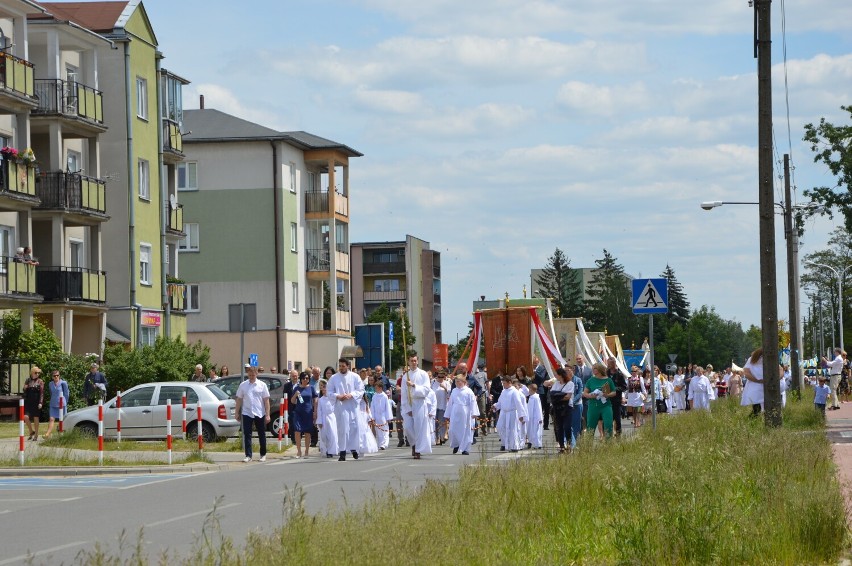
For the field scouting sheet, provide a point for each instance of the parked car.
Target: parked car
(274, 381)
(143, 412)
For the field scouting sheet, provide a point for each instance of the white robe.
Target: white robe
(535, 421)
(327, 424)
(413, 401)
(679, 397)
(346, 411)
(366, 441)
(431, 411)
(462, 410)
(699, 392)
(512, 409)
(753, 392)
(381, 411)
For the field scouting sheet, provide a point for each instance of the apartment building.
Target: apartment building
(404, 273)
(266, 216)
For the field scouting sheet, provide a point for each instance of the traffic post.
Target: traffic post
(183, 421)
(286, 420)
(651, 296)
(200, 436)
(118, 417)
(21, 431)
(169, 429)
(100, 432)
(281, 423)
(61, 412)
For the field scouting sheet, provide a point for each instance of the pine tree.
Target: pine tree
(678, 303)
(608, 306)
(558, 281)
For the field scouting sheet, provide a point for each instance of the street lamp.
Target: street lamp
(840, 275)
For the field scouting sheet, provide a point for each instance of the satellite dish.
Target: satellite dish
(173, 201)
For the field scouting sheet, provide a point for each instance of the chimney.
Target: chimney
(201, 101)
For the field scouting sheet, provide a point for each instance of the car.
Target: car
(274, 381)
(143, 412)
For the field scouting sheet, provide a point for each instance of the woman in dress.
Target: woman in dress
(598, 393)
(33, 399)
(636, 393)
(753, 390)
(58, 387)
(735, 384)
(304, 406)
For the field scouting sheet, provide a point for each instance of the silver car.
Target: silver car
(143, 412)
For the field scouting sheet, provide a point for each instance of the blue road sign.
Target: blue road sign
(390, 330)
(253, 362)
(650, 296)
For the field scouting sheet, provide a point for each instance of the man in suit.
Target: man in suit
(584, 372)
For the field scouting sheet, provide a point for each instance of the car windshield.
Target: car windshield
(217, 391)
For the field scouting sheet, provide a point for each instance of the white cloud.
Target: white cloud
(224, 99)
(394, 101)
(602, 100)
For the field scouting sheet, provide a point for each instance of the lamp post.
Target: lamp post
(840, 275)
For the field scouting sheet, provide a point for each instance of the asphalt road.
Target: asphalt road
(50, 520)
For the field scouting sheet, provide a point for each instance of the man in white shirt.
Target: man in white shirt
(347, 389)
(253, 406)
(415, 388)
(835, 368)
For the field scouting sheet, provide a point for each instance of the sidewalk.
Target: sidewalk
(839, 431)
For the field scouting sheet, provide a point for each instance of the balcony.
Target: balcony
(318, 202)
(341, 205)
(319, 320)
(17, 279)
(317, 260)
(71, 192)
(436, 271)
(176, 219)
(17, 90)
(371, 268)
(436, 298)
(383, 296)
(177, 296)
(172, 141)
(78, 284)
(70, 101)
(17, 179)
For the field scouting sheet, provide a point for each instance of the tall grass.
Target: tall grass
(704, 488)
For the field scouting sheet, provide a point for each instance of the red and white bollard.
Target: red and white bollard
(118, 417)
(281, 424)
(101, 432)
(169, 428)
(200, 430)
(21, 432)
(286, 420)
(183, 422)
(61, 413)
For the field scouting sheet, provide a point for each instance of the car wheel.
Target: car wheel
(207, 431)
(273, 426)
(89, 430)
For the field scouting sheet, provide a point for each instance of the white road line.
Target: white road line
(161, 480)
(376, 469)
(63, 499)
(188, 515)
(23, 557)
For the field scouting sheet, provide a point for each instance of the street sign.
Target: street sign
(253, 361)
(390, 334)
(672, 357)
(650, 296)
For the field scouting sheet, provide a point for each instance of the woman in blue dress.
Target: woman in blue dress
(304, 403)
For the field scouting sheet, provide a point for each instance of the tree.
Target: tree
(558, 281)
(678, 303)
(822, 283)
(385, 314)
(707, 339)
(831, 146)
(608, 306)
(37, 346)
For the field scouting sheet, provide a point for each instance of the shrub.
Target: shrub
(166, 360)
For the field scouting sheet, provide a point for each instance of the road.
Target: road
(50, 520)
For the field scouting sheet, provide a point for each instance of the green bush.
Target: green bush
(166, 360)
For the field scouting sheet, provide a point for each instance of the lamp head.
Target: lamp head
(711, 204)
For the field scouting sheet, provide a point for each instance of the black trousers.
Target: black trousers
(562, 426)
(545, 407)
(616, 416)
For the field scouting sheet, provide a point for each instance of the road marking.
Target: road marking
(62, 499)
(316, 483)
(376, 469)
(188, 515)
(164, 479)
(23, 557)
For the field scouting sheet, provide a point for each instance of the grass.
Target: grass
(73, 439)
(67, 459)
(11, 430)
(705, 488)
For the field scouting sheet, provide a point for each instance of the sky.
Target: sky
(500, 130)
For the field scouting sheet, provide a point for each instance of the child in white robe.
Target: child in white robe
(512, 417)
(431, 411)
(326, 422)
(535, 418)
(381, 411)
(461, 412)
(366, 440)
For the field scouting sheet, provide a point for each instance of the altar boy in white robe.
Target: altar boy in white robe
(326, 423)
(415, 416)
(535, 418)
(512, 416)
(347, 389)
(461, 413)
(380, 408)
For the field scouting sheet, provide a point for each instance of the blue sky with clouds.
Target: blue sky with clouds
(499, 130)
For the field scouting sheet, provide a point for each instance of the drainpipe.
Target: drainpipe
(132, 194)
(277, 251)
(164, 209)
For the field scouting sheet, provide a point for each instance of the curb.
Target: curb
(73, 471)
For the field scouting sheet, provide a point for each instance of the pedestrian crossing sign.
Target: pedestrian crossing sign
(650, 296)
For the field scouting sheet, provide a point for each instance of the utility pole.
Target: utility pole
(792, 283)
(766, 206)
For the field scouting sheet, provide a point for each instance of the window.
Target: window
(149, 336)
(138, 398)
(145, 264)
(141, 98)
(175, 393)
(189, 243)
(144, 180)
(76, 253)
(187, 176)
(384, 285)
(74, 160)
(293, 178)
(295, 297)
(7, 244)
(294, 236)
(192, 298)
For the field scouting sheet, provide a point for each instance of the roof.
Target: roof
(96, 16)
(211, 125)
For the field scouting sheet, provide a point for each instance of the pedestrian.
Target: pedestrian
(535, 418)
(511, 425)
(58, 387)
(460, 414)
(304, 405)
(415, 414)
(620, 381)
(835, 369)
(598, 392)
(347, 389)
(735, 384)
(287, 392)
(678, 391)
(94, 385)
(441, 387)
(253, 408)
(326, 422)
(33, 400)
(700, 390)
(636, 394)
(380, 410)
(198, 376)
(583, 372)
(821, 393)
(753, 390)
(562, 405)
(540, 373)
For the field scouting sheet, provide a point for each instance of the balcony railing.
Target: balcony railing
(436, 298)
(320, 319)
(384, 267)
(436, 271)
(172, 138)
(341, 261)
(72, 99)
(177, 296)
(71, 191)
(17, 178)
(176, 218)
(341, 204)
(384, 296)
(316, 201)
(17, 278)
(16, 75)
(71, 284)
(318, 260)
